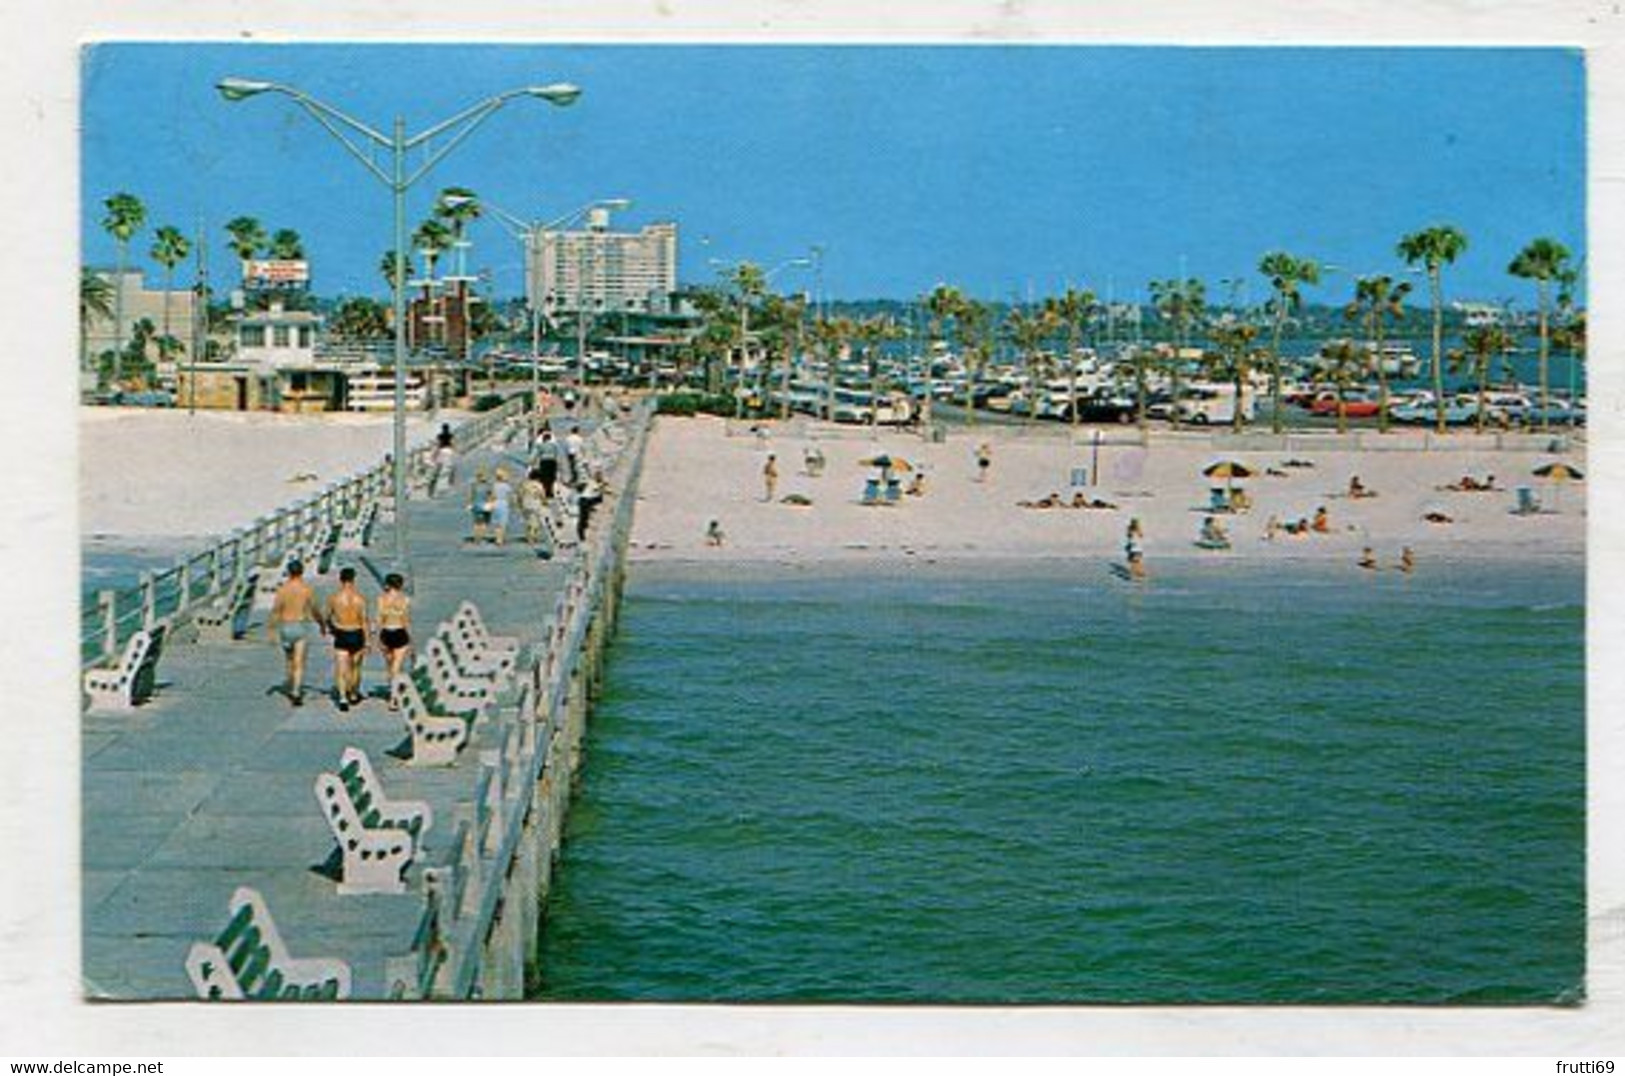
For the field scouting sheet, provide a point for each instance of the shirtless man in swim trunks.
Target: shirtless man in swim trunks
(293, 610)
(347, 620)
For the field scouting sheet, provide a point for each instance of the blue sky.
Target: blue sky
(1007, 170)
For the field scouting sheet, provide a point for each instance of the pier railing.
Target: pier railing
(198, 578)
(482, 912)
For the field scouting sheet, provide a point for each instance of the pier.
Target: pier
(209, 788)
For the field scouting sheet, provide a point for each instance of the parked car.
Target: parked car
(1354, 405)
(1458, 411)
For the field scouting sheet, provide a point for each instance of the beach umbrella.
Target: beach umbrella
(1559, 472)
(1229, 470)
(896, 463)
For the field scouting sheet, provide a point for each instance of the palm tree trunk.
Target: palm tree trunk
(1179, 354)
(1437, 289)
(1275, 365)
(1545, 383)
(1483, 390)
(1072, 372)
(1382, 374)
(1140, 389)
(118, 317)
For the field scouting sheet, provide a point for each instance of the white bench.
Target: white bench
(228, 617)
(475, 657)
(377, 837)
(467, 619)
(437, 735)
(132, 681)
(456, 687)
(248, 962)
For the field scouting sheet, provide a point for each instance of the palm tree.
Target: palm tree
(1181, 303)
(169, 249)
(286, 245)
(1377, 300)
(1484, 344)
(870, 333)
(248, 237)
(1435, 248)
(782, 318)
(1287, 274)
(1073, 309)
(95, 304)
(1543, 261)
(361, 319)
(125, 216)
(1344, 362)
(458, 207)
(943, 304)
(832, 335)
(390, 264)
(1235, 360)
(1028, 330)
(973, 323)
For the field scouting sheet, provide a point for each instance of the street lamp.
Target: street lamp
(398, 180)
(529, 235)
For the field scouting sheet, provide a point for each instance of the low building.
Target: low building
(134, 302)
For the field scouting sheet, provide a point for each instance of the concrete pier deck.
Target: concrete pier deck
(209, 785)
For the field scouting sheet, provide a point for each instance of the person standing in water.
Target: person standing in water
(293, 611)
(1134, 549)
(394, 620)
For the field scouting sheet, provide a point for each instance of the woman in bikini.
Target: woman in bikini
(394, 619)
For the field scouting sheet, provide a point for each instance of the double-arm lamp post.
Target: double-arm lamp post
(362, 142)
(529, 234)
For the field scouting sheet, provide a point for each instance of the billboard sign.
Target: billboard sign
(276, 273)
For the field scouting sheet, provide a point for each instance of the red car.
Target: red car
(1353, 406)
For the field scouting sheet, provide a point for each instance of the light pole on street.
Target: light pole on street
(529, 234)
(363, 142)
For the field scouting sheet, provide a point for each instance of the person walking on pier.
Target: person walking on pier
(589, 495)
(572, 451)
(545, 459)
(394, 619)
(479, 505)
(501, 506)
(347, 621)
(293, 610)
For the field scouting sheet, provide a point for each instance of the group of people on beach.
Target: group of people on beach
(343, 617)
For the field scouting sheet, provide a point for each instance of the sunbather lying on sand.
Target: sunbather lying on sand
(1080, 500)
(1051, 501)
(1437, 517)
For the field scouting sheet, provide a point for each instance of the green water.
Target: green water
(1041, 785)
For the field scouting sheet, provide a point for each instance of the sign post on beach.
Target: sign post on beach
(347, 130)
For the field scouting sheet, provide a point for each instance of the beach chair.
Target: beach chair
(133, 680)
(872, 492)
(248, 962)
(227, 619)
(1528, 504)
(377, 837)
(894, 490)
(1218, 499)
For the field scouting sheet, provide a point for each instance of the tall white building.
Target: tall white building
(601, 271)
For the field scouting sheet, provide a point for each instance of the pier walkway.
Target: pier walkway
(209, 786)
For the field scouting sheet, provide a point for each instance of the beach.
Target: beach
(171, 478)
(700, 469)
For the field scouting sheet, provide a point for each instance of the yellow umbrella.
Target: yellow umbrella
(894, 462)
(1559, 472)
(1229, 470)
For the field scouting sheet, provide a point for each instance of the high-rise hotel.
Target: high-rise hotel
(601, 271)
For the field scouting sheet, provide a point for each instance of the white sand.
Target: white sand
(148, 474)
(696, 472)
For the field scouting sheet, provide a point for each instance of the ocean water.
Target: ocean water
(1041, 785)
